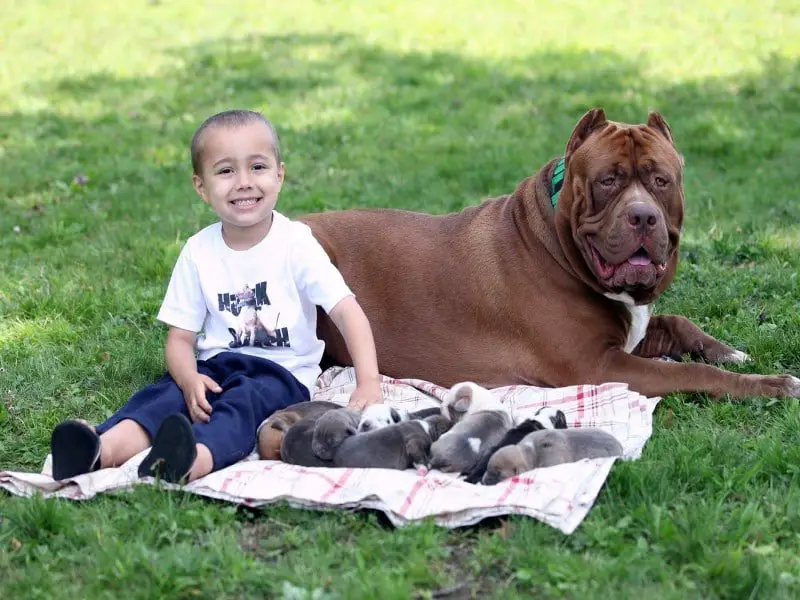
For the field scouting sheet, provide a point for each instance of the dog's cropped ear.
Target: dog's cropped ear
(657, 122)
(589, 123)
(395, 416)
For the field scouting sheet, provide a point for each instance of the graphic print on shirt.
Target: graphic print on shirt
(257, 323)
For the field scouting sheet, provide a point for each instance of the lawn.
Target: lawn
(421, 105)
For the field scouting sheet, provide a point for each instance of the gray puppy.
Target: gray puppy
(334, 427)
(484, 423)
(550, 447)
(398, 446)
(296, 443)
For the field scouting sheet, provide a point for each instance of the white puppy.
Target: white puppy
(376, 416)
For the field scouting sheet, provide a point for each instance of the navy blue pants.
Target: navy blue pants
(252, 389)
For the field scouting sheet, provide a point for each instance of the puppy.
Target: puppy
(424, 413)
(465, 396)
(550, 447)
(272, 431)
(397, 446)
(332, 429)
(545, 418)
(376, 416)
(297, 443)
(482, 422)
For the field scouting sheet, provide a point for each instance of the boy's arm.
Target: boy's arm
(182, 365)
(351, 321)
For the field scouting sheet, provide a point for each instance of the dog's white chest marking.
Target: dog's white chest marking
(640, 317)
(474, 444)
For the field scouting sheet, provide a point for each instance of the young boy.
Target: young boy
(250, 284)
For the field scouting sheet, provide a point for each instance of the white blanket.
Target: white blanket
(560, 496)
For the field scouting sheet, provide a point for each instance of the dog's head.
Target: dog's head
(467, 397)
(376, 416)
(507, 462)
(332, 429)
(548, 417)
(620, 212)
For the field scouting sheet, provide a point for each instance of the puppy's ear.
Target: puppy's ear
(463, 399)
(560, 420)
(589, 123)
(396, 418)
(657, 122)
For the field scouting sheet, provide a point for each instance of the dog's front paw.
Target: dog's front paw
(736, 357)
(793, 387)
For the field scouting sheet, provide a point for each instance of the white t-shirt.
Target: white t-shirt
(260, 301)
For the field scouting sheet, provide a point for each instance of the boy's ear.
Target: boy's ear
(197, 182)
(281, 172)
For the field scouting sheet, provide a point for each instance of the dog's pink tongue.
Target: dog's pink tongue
(640, 261)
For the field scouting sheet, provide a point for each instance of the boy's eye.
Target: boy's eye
(225, 171)
(259, 167)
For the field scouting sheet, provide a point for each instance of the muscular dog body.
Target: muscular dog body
(519, 291)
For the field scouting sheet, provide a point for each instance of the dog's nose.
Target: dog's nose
(642, 216)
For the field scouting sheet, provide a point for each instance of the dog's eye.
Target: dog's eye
(660, 181)
(608, 180)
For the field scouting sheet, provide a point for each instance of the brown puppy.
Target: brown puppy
(271, 431)
(549, 447)
(550, 285)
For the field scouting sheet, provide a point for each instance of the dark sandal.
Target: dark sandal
(75, 448)
(173, 452)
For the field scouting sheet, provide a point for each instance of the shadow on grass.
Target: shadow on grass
(366, 127)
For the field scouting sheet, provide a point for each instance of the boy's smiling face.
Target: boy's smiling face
(240, 177)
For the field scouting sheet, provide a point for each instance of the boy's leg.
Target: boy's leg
(77, 449)
(175, 455)
(254, 389)
(126, 433)
(121, 443)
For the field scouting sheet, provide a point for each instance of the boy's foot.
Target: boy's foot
(75, 448)
(173, 452)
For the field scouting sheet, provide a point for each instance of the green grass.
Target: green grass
(422, 105)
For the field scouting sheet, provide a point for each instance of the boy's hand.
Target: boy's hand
(366, 394)
(194, 392)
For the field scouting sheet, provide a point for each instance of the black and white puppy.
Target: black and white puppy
(376, 416)
(549, 447)
(332, 428)
(399, 446)
(546, 417)
(482, 421)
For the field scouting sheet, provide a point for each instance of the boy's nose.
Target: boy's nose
(243, 180)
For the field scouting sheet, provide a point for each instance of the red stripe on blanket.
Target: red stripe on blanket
(581, 401)
(410, 498)
(515, 481)
(337, 485)
(236, 475)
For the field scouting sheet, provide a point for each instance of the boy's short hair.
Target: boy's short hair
(232, 118)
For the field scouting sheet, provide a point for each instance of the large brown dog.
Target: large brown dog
(549, 286)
